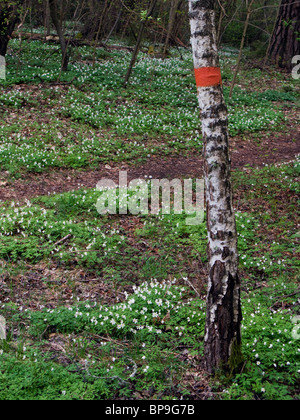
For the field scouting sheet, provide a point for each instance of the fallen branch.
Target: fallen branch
(280, 298)
(63, 240)
(190, 284)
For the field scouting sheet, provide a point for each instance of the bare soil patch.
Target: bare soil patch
(250, 152)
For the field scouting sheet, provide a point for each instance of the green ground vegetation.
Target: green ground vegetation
(108, 307)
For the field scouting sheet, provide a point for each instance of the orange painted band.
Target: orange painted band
(208, 76)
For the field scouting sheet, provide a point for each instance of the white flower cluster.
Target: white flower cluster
(149, 309)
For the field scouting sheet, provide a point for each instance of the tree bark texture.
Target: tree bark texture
(47, 18)
(224, 315)
(285, 43)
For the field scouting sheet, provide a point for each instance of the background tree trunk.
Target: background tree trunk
(47, 18)
(223, 325)
(285, 43)
(9, 17)
(139, 40)
(249, 11)
(172, 18)
(115, 24)
(63, 43)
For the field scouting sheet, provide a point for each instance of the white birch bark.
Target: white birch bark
(222, 336)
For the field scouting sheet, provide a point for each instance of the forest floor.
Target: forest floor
(245, 153)
(114, 306)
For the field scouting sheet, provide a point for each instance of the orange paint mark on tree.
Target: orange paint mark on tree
(208, 76)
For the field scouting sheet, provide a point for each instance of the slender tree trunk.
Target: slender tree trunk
(223, 325)
(115, 24)
(267, 56)
(47, 18)
(285, 43)
(63, 43)
(100, 24)
(172, 17)
(249, 11)
(99, 30)
(221, 17)
(138, 42)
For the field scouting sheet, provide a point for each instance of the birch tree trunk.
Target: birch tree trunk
(223, 324)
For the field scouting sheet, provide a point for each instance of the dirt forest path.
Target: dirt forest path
(245, 153)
